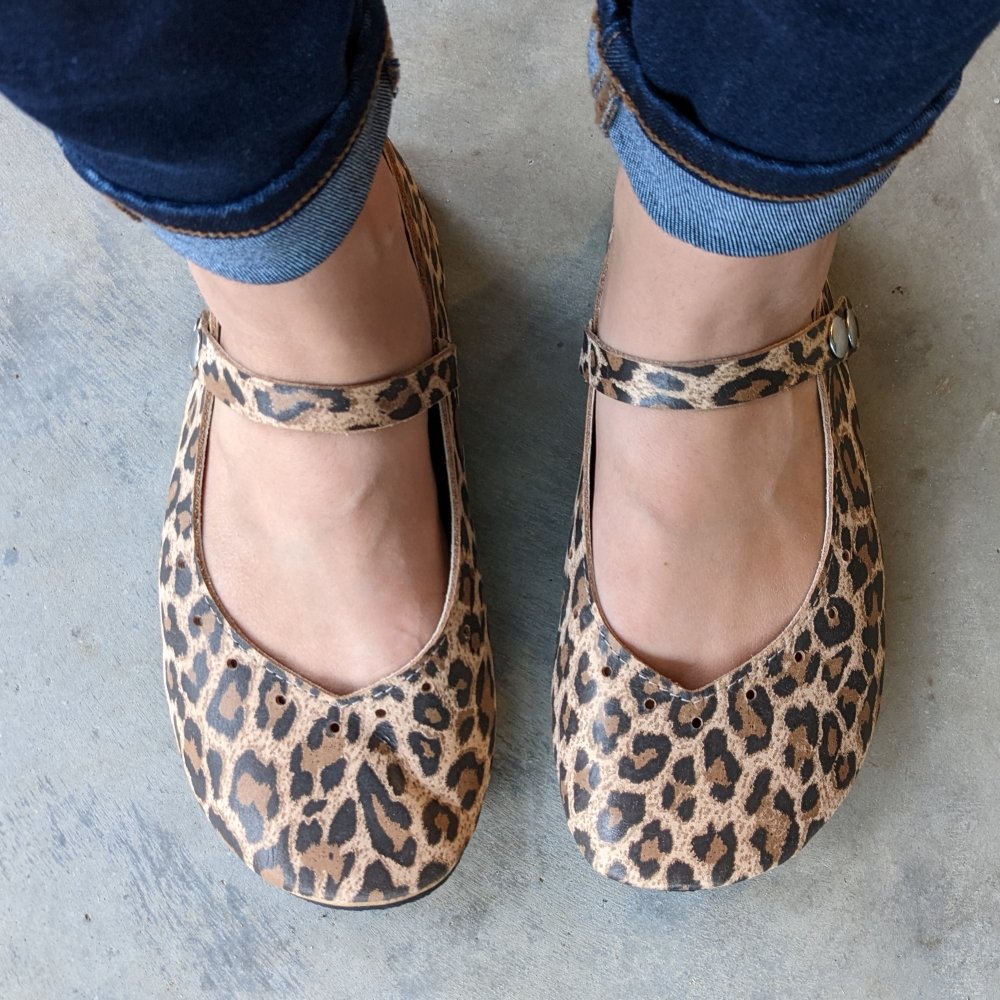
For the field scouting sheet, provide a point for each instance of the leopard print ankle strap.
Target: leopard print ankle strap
(328, 408)
(829, 339)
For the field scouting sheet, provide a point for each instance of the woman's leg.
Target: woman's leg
(250, 141)
(747, 134)
(334, 559)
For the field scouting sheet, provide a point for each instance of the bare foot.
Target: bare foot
(327, 549)
(707, 525)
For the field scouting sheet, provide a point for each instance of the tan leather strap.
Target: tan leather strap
(326, 408)
(831, 337)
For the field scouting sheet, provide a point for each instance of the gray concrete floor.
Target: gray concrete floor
(112, 885)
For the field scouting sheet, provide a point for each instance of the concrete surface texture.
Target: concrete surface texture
(112, 885)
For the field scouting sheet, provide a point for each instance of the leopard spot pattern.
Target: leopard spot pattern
(666, 788)
(350, 801)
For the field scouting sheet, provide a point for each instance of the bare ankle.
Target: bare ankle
(669, 300)
(358, 316)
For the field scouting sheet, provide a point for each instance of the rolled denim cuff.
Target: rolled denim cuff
(717, 161)
(710, 217)
(296, 244)
(293, 224)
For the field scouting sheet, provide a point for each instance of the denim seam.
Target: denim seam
(602, 84)
(388, 64)
(609, 88)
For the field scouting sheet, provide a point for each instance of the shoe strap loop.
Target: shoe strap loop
(829, 339)
(306, 406)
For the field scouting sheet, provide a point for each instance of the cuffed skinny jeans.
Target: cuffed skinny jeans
(247, 135)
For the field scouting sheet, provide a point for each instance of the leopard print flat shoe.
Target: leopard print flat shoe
(666, 788)
(357, 801)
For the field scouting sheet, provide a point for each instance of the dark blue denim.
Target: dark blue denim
(247, 134)
(202, 115)
(714, 216)
(786, 98)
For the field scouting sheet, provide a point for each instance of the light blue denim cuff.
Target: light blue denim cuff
(295, 245)
(710, 217)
